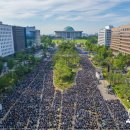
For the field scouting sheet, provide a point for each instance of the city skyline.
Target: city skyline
(52, 15)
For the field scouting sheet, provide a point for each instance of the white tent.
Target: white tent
(0, 107)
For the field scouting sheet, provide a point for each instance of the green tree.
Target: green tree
(46, 41)
(66, 65)
(31, 59)
(20, 56)
(10, 63)
(21, 71)
(3, 83)
(1, 66)
(118, 64)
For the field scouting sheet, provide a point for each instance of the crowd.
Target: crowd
(20, 108)
(36, 104)
(119, 113)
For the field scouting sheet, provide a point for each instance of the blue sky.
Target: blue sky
(51, 15)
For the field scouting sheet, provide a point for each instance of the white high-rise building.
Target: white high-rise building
(6, 40)
(104, 36)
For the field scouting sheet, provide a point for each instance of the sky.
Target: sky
(54, 15)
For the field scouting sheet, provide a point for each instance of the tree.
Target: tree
(46, 41)
(21, 71)
(20, 56)
(1, 66)
(66, 65)
(31, 59)
(128, 74)
(10, 63)
(3, 83)
(118, 64)
(33, 49)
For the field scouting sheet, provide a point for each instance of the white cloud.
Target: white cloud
(61, 10)
(58, 8)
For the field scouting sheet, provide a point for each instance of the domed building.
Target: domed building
(68, 33)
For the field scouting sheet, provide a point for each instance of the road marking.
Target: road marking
(74, 116)
(60, 115)
(54, 97)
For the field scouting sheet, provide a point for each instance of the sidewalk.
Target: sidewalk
(104, 92)
(103, 88)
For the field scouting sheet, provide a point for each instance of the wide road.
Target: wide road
(36, 105)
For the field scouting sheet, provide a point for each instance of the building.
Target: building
(30, 37)
(15, 38)
(104, 36)
(37, 38)
(121, 39)
(92, 35)
(19, 37)
(6, 40)
(84, 35)
(68, 33)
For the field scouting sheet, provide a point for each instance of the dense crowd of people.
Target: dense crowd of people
(119, 113)
(36, 104)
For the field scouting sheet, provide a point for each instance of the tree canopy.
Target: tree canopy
(66, 65)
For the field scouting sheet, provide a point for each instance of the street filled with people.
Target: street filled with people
(35, 103)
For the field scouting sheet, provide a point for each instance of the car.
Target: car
(128, 121)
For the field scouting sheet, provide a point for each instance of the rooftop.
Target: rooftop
(69, 29)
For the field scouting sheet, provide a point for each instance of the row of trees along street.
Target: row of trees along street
(14, 68)
(114, 69)
(46, 43)
(17, 67)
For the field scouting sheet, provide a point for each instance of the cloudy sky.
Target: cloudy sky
(51, 15)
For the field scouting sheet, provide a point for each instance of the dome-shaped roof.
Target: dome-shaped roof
(69, 29)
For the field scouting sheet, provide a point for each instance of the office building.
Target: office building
(30, 37)
(121, 39)
(6, 40)
(104, 36)
(15, 38)
(37, 38)
(19, 38)
(68, 33)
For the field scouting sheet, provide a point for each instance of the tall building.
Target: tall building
(19, 38)
(6, 40)
(121, 39)
(68, 33)
(104, 36)
(37, 37)
(30, 37)
(15, 38)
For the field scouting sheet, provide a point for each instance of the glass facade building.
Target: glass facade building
(30, 37)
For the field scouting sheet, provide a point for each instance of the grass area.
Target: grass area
(62, 85)
(80, 41)
(123, 92)
(58, 41)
